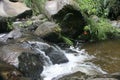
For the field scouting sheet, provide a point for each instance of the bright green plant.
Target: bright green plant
(67, 40)
(100, 30)
(93, 7)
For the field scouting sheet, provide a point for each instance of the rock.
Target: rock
(56, 55)
(28, 61)
(71, 21)
(74, 76)
(14, 34)
(9, 72)
(82, 76)
(95, 18)
(9, 53)
(68, 15)
(30, 65)
(10, 9)
(52, 7)
(46, 28)
(115, 23)
(114, 9)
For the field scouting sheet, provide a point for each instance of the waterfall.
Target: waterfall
(78, 61)
(40, 47)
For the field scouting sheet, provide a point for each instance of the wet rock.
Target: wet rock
(14, 34)
(82, 76)
(8, 72)
(21, 56)
(9, 53)
(30, 65)
(115, 23)
(56, 55)
(46, 28)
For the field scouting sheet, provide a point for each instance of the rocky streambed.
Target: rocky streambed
(25, 54)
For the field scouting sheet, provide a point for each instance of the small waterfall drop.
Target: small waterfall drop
(40, 47)
(2, 37)
(78, 61)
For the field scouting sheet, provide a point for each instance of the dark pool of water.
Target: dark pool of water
(107, 54)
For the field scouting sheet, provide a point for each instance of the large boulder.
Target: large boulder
(30, 65)
(71, 20)
(46, 28)
(68, 15)
(52, 7)
(10, 9)
(56, 55)
(23, 58)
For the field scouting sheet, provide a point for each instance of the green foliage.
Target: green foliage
(101, 30)
(94, 7)
(67, 40)
(36, 5)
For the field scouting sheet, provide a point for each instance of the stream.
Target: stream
(107, 54)
(91, 58)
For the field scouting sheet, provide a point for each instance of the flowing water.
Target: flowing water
(107, 54)
(89, 60)
(78, 61)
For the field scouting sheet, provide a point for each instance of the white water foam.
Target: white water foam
(77, 62)
(2, 37)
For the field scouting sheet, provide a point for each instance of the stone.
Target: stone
(30, 65)
(10, 9)
(115, 23)
(46, 28)
(82, 76)
(52, 7)
(71, 21)
(10, 52)
(9, 72)
(56, 55)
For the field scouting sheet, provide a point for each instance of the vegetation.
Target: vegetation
(36, 5)
(101, 30)
(95, 30)
(98, 30)
(93, 7)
